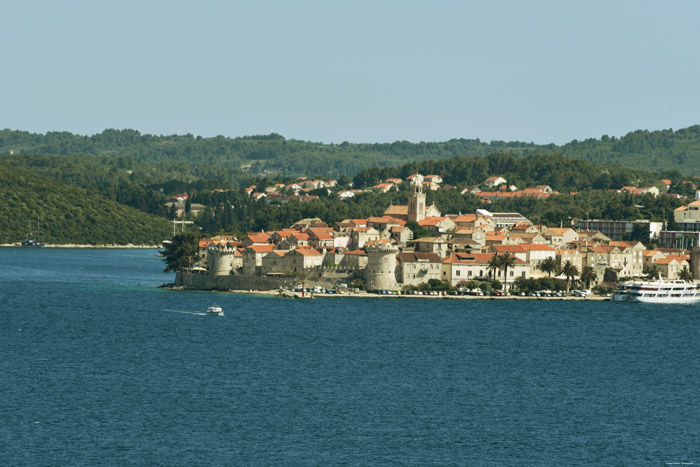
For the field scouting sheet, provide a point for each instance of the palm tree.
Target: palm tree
(507, 261)
(685, 274)
(588, 275)
(653, 272)
(549, 265)
(494, 265)
(570, 271)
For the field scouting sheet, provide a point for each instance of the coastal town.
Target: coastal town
(459, 250)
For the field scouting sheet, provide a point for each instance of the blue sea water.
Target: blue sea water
(100, 367)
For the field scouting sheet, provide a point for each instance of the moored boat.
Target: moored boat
(657, 291)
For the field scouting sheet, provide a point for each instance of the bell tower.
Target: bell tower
(416, 202)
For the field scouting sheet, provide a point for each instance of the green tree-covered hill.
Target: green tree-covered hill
(223, 157)
(69, 214)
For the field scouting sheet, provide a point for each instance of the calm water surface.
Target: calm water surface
(99, 367)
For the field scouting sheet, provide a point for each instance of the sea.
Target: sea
(99, 366)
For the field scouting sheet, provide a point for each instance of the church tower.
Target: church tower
(416, 202)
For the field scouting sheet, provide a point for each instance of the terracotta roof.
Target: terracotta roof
(601, 249)
(558, 230)
(536, 247)
(258, 237)
(664, 261)
(396, 210)
(431, 220)
(307, 251)
(508, 248)
(261, 248)
(464, 218)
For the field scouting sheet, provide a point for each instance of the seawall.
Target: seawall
(207, 282)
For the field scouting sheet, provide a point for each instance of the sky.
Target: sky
(360, 71)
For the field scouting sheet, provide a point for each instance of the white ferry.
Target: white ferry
(658, 291)
(215, 310)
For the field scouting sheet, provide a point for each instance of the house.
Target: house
(459, 267)
(302, 259)
(273, 263)
(435, 245)
(395, 181)
(415, 179)
(252, 258)
(177, 207)
(355, 260)
(256, 238)
(526, 237)
(650, 190)
(560, 236)
(345, 194)
(320, 237)
(495, 181)
(197, 209)
(383, 187)
(432, 186)
(433, 179)
(401, 234)
(536, 254)
(572, 255)
(687, 214)
(649, 257)
(417, 267)
(438, 225)
(669, 267)
(473, 189)
(362, 235)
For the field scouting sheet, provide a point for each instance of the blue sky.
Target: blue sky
(361, 71)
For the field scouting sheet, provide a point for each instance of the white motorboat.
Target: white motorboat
(215, 310)
(657, 291)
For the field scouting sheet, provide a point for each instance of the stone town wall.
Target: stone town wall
(326, 279)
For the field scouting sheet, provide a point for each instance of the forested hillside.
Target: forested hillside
(69, 214)
(561, 173)
(198, 157)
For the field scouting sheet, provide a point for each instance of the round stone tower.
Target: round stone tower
(695, 262)
(381, 267)
(220, 260)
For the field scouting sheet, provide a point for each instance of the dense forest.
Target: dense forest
(222, 157)
(55, 212)
(561, 173)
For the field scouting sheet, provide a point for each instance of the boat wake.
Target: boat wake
(197, 313)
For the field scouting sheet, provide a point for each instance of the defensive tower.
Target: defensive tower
(381, 267)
